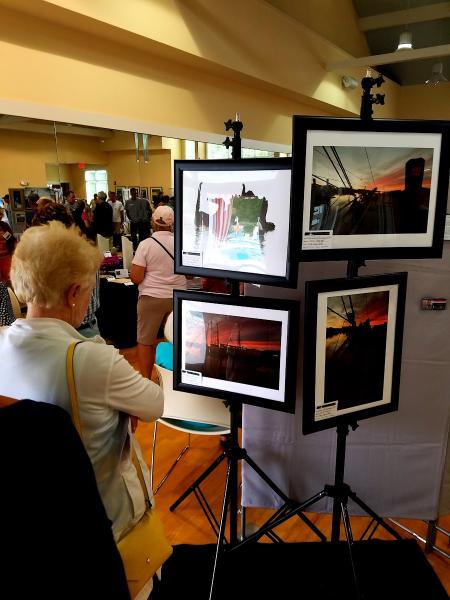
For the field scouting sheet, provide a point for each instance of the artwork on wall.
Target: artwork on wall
(155, 192)
(353, 332)
(236, 348)
(144, 192)
(234, 219)
(17, 198)
(373, 189)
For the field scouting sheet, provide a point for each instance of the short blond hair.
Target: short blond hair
(48, 260)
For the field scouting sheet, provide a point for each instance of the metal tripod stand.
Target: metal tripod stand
(233, 454)
(341, 493)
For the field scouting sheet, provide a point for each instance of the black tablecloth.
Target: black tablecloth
(117, 320)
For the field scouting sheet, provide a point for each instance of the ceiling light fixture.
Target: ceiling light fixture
(405, 41)
(437, 76)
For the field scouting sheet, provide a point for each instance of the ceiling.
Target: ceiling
(427, 20)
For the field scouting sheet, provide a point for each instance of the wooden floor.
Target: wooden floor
(188, 525)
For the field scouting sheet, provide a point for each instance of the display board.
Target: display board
(236, 348)
(235, 219)
(370, 189)
(354, 336)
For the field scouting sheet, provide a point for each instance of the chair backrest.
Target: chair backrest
(127, 253)
(15, 304)
(191, 407)
(49, 480)
(103, 243)
(168, 328)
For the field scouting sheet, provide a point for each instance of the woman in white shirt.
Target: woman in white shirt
(153, 270)
(53, 271)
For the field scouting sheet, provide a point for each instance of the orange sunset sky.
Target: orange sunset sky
(373, 306)
(223, 329)
(383, 168)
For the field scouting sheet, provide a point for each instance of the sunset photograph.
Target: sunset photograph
(232, 348)
(356, 329)
(358, 190)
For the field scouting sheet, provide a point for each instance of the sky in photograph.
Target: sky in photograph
(210, 328)
(373, 306)
(383, 168)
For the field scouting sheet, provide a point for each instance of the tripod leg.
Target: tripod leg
(336, 522)
(198, 481)
(349, 536)
(282, 495)
(271, 524)
(374, 515)
(223, 520)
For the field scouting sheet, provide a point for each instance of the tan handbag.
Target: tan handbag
(145, 548)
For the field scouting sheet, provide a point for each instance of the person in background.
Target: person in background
(162, 200)
(102, 217)
(153, 271)
(6, 310)
(71, 202)
(139, 213)
(43, 202)
(117, 218)
(53, 272)
(7, 216)
(7, 246)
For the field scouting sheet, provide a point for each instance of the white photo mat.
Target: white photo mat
(321, 350)
(372, 139)
(189, 306)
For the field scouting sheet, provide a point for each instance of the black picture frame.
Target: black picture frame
(272, 363)
(258, 248)
(372, 223)
(374, 339)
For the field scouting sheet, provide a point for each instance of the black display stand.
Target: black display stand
(233, 453)
(340, 491)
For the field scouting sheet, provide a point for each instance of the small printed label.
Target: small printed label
(107, 254)
(7, 235)
(194, 377)
(326, 411)
(317, 240)
(447, 228)
(128, 283)
(110, 279)
(192, 259)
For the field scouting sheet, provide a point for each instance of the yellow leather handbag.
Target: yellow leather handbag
(145, 548)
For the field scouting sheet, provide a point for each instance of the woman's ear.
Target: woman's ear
(72, 294)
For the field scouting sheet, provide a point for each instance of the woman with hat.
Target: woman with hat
(153, 271)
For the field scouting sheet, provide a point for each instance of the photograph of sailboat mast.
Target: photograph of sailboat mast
(356, 332)
(358, 190)
(233, 348)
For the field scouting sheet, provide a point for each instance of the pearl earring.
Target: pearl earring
(73, 305)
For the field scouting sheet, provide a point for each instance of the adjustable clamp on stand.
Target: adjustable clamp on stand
(236, 142)
(368, 99)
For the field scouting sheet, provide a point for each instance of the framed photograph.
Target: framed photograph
(236, 348)
(370, 190)
(19, 221)
(234, 219)
(155, 191)
(17, 199)
(354, 334)
(144, 192)
(119, 189)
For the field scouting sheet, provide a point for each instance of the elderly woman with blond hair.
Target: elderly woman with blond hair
(53, 272)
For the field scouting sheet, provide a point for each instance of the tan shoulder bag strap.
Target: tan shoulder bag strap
(72, 388)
